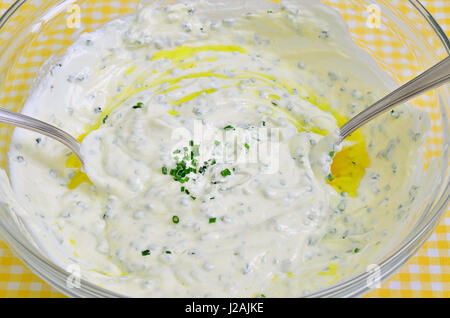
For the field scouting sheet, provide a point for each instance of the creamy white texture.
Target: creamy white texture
(245, 95)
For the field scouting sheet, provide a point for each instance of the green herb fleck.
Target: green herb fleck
(229, 127)
(145, 253)
(175, 219)
(168, 252)
(247, 146)
(187, 165)
(225, 172)
(330, 177)
(105, 118)
(212, 220)
(138, 105)
(217, 143)
(332, 154)
(356, 250)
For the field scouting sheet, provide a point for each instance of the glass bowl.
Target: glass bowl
(404, 41)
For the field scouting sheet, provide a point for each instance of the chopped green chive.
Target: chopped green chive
(225, 172)
(145, 253)
(168, 252)
(212, 220)
(105, 118)
(332, 154)
(187, 165)
(229, 127)
(138, 105)
(247, 146)
(175, 219)
(263, 296)
(217, 143)
(330, 177)
(356, 250)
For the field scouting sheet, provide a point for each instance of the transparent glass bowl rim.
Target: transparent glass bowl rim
(354, 286)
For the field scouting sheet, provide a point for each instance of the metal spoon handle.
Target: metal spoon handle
(437, 75)
(23, 121)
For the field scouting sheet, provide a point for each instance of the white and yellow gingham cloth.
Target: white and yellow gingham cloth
(427, 274)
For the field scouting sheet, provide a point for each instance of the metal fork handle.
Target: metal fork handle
(23, 121)
(435, 76)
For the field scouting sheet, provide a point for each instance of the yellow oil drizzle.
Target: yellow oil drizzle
(130, 70)
(122, 274)
(332, 269)
(173, 112)
(128, 91)
(194, 95)
(273, 96)
(177, 55)
(169, 89)
(348, 165)
(73, 162)
(184, 52)
(78, 178)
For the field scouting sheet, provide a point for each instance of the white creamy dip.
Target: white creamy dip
(197, 122)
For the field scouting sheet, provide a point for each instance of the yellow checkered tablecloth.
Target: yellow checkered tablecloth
(427, 274)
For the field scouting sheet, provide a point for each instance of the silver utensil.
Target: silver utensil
(27, 122)
(435, 76)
